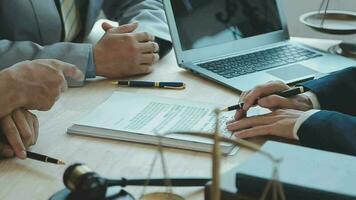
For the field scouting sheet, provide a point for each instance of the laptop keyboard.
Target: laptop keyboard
(258, 61)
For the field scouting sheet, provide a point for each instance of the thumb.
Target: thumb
(126, 28)
(106, 26)
(240, 113)
(67, 69)
(73, 72)
(70, 70)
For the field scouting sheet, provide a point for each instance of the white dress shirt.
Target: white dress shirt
(316, 108)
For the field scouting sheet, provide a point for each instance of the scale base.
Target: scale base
(120, 194)
(344, 49)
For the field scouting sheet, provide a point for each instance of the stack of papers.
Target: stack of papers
(141, 118)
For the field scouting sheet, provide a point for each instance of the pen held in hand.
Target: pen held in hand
(286, 93)
(44, 158)
(149, 84)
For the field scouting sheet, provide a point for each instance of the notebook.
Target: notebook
(140, 118)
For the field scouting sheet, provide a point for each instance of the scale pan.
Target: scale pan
(336, 22)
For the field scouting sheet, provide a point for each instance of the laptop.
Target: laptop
(242, 43)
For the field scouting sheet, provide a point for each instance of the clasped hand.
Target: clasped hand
(20, 131)
(280, 122)
(121, 52)
(32, 85)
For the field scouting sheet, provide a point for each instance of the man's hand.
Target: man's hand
(278, 123)
(262, 95)
(123, 53)
(39, 83)
(19, 131)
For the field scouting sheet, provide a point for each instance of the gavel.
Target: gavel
(84, 183)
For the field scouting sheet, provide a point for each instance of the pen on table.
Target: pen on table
(286, 93)
(44, 158)
(166, 85)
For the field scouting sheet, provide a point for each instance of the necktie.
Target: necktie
(71, 19)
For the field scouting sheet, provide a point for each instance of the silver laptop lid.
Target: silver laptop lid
(206, 29)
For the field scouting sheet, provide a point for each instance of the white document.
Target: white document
(141, 117)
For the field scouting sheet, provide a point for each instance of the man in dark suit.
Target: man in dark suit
(55, 29)
(323, 118)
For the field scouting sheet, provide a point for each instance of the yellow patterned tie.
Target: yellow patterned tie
(71, 19)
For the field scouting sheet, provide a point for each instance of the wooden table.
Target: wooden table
(30, 179)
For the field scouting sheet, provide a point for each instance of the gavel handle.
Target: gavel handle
(175, 182)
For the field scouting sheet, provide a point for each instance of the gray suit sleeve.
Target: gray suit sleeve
(149, 13)
(78, 54)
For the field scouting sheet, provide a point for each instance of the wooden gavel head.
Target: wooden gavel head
(84, 183)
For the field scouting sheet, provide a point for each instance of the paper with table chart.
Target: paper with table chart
(140, 118)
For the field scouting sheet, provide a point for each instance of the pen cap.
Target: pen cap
(85, 183)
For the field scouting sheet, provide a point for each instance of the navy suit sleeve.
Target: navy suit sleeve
(337, 91)
(331, 131)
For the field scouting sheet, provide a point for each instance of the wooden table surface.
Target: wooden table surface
(28, 179)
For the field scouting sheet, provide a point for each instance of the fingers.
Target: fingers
(149, 59)
(148, 47)
(261, 91)
(278, 123)
(63, 88)
(255, 131)
(241, 113)
(13, 137)
(274, 102)
(35, 127)
(251, 122)
(145, 69)
(23, 127)
(5, 150)
(33, 124)
(144, 37)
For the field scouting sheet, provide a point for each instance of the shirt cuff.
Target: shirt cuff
(313, 98)
(91, 68)
(302, 118)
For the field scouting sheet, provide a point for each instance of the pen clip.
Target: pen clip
(175, 88)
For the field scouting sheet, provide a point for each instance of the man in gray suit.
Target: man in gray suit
(33, 29)
(29, 85)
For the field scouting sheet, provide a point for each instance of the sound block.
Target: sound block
(119, 194)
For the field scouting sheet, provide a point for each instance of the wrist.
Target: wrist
(304, 103)
(313, 99)
(98, 60)
(308, 103)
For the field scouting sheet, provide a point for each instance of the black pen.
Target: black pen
(44, 158)
(166, 85)
(286, 93)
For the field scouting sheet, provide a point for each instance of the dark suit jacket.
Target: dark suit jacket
(334, 127)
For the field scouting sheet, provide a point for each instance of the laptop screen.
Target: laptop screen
(203, 23)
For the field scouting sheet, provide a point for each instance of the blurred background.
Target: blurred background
(295, 8)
